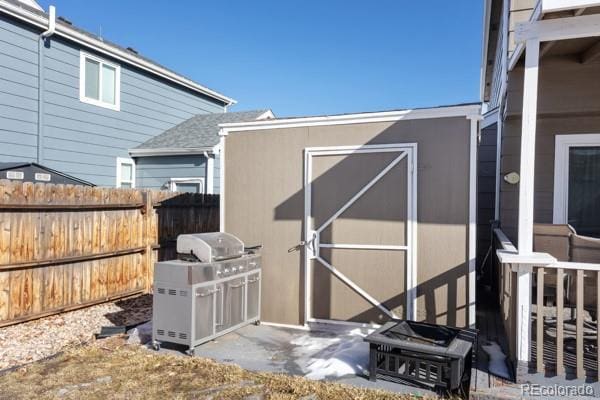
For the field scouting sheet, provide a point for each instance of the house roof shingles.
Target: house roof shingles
(200, 131)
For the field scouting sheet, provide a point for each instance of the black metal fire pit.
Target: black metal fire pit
(433, 355)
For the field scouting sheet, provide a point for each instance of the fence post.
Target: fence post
(148, 239)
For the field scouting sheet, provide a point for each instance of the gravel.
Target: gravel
(34, 340)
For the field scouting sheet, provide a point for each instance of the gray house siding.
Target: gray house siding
(80, 139)
(18, 91)
(155, 172)
(486, 194)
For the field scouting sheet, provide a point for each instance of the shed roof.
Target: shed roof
(30, 168)
(200, 131)
(469, 110)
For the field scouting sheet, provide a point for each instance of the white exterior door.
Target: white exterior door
(360, 233)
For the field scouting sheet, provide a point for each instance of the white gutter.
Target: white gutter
(40, 120)
(487, 11)
(122, 55)
(171, 151)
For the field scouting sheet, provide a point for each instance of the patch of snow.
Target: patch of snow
(322, 357)
(497, 360)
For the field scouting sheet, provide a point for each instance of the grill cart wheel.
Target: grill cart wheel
(156, 346)
(190, 352)
(257, 322)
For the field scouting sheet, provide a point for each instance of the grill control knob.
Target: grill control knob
(234, 270)
(241, 268)
(226, 270)
(219, 273)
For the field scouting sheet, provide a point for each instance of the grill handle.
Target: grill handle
(225, 258)
(208, 293)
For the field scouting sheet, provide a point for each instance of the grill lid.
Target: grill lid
(208, 247)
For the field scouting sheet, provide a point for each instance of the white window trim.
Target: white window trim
(117, 106)
(120, 162)
(561, 170)
(174, 181)
(210, 174)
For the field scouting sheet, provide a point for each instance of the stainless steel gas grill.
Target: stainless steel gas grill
(213, 288)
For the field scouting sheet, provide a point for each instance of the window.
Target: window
(125, 173)
(99, 82)
(577, 183)
(189, 185)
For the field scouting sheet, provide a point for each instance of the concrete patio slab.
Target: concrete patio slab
(338, 355)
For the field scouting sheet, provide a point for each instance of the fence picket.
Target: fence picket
(540, 321)
(597, 335)
(560, 276)
(579, 325)
(63, 246)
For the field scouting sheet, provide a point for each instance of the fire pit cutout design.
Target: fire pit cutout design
(434, 355)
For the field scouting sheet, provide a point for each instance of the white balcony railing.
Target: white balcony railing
(555, 327)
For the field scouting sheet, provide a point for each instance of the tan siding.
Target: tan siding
(264, 203)
(520, 11)
(522, 4)
(568, 103)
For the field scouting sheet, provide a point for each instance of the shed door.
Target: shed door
(360, 220)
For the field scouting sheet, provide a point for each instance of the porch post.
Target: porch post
(526, 195)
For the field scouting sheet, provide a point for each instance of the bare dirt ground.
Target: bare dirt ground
(112, 369)
(41, 338)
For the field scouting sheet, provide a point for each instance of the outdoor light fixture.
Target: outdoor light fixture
(512, 178)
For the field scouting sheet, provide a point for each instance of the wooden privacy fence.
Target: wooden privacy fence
(64, 247)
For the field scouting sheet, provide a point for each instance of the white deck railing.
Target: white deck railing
(569, 286)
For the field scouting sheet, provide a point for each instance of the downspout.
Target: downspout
(41, 43)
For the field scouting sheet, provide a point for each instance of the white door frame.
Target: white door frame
(561, 170)
(311, 236)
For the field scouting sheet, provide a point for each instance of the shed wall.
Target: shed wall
(264, 203)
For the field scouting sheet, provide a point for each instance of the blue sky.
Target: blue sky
(304, 57)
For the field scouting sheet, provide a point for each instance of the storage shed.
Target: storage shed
(363, 217)
(33, 172)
